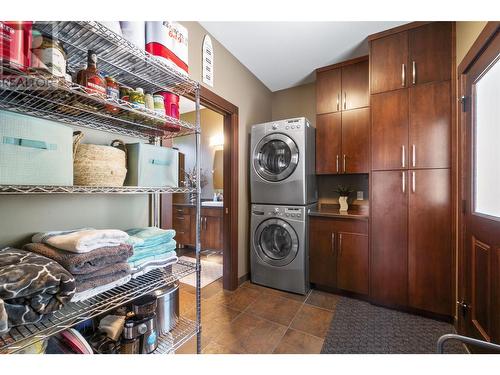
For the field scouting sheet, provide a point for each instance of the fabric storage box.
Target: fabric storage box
(150, 165)
(34, 151)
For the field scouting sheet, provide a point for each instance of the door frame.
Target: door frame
(476, 50)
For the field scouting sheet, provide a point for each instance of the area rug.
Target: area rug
(210, 271)
(361, 328)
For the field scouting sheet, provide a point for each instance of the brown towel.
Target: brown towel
(98, 281)
(84, 263)
(106, 271)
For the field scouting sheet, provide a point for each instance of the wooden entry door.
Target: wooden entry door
(479, 302)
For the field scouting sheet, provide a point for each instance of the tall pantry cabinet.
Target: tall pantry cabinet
(411, 101)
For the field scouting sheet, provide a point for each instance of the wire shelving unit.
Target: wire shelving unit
(36, 94)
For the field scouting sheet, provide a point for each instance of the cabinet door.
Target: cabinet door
(389, 131)
(322, 256)
(352, 262)
(430, 125)
(389, 57)
(429, 241)
(328, 91)
(182, 225)
(211, 234)
(355, 140)
(355, 82)
(389, 230)
(430, 53)
(328, 143)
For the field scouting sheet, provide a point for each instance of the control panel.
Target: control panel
(286, 212)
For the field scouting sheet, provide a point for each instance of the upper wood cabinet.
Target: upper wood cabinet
(355, 79)
(389, 59)
(328, 143)
(328, 91)
(412, 57)
(355, 140)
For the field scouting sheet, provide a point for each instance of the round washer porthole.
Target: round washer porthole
(276, 242)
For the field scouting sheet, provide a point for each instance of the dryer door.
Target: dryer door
(276, 242)
(275, 157)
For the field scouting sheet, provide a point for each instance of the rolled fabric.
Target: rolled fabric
(85, 263)
(31, 286)
(82, 240)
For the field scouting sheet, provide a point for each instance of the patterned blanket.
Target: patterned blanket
(31, 285)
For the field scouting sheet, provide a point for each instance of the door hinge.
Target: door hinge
(463, 101)
(464, 206)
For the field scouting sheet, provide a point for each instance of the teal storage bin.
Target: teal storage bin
(152, 166)
(34, 151)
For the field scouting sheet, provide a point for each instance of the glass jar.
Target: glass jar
(113, 92)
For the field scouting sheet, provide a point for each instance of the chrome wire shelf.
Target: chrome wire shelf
(76, 312)
(42, 189)
(53, 98)
(118, 57)
(184, 330)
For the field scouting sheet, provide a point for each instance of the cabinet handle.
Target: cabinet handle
(345, 100)
(413, 155)
(206, 225)
(413, 181)
(338, 101)
(180, 217)
(337, 162)
(333, 242)
(413, 72)
(340, 244)
(403, 181)
(403, 156)
(180, 210)
(344, 163)
(403, 75)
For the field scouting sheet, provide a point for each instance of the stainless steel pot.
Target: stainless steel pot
(167, 310)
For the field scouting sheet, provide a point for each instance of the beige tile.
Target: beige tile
(296, 342)
(239, 300)
(187, 302)
(322, 299)
(214, 348)
(312, 320)
(188, 348)
(260, 288)
(275, 308)
(251, 334)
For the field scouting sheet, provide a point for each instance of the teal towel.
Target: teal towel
(151, 251)
(160, 257)
(152, 235)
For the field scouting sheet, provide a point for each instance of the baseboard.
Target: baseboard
(243, 279)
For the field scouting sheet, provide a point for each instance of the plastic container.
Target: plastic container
(15, 44)
(171, 104)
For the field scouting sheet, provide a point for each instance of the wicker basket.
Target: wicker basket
(95, 165)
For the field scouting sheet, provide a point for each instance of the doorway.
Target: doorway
(219, 182)
(479, 255)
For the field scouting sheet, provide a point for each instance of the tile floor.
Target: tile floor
(254, 320)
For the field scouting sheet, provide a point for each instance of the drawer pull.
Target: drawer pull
(180, 217)
(30, 143)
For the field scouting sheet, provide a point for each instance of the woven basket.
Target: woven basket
(95, 165)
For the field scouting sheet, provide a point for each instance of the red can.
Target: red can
(171, 102)
(15, 44)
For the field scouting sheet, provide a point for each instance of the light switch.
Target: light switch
(359, 195)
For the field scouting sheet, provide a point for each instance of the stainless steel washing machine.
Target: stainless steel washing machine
(279, 256)
(283, 163)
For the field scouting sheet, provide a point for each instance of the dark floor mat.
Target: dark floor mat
(361, 328)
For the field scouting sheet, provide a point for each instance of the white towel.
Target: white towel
(101, 289)
(82, 240)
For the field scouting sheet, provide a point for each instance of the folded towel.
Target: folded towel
(103, 272)
(152, 235)
(119, 272)
(82, 240)
(152, 264)
(141, 252)
(134, 265)
(89, 293)
(31, 285)
(112, 325)
(81, 264)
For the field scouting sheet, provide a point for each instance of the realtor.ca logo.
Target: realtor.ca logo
(10, 80)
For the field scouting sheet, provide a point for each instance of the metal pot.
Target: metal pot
(167, 310)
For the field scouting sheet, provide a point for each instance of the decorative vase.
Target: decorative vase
(343, 203)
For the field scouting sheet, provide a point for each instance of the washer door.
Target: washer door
(276, 242)
(275, 157)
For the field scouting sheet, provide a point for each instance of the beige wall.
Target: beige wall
(466, 34)
(299, 101)
(238, 85)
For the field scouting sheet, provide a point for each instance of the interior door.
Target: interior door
(328, 143)
(355, 140)
(328, 91)
(389, 236)
(389, 59)
(480, 312)
(355, 92)
(430, 53)
(389, 131)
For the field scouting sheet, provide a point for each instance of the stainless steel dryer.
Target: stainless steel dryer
(283, 162)
(279, 256)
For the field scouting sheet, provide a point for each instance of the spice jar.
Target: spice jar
(113, 92)
(137, 98)
(149, 101)
(48, 54)
(125, 93)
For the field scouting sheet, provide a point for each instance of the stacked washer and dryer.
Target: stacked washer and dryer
(283, 191)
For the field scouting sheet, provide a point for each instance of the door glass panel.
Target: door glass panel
(275, 156)
(487, 142)
(276, 242)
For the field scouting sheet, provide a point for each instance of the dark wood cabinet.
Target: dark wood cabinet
(389, 130)
(355, 140)
(211, 229)
(430, 53)
(338, 253)
(183, 224)
(328, 143)
(430, 258)
(355, 91)
(430, 125)
(388, 62)
(328, 91)
(389, 237)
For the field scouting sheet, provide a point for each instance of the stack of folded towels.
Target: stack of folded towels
(153, 248)
(97, 259)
